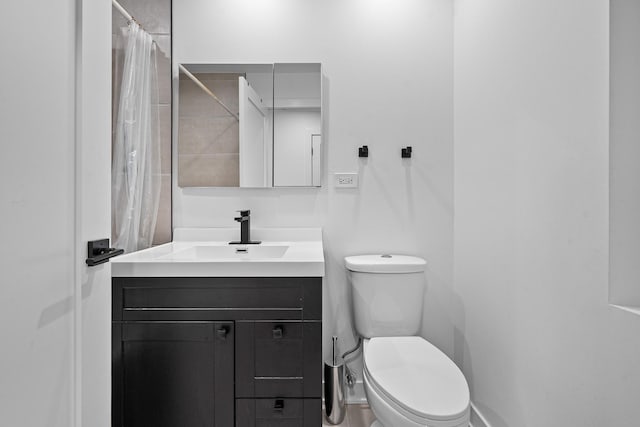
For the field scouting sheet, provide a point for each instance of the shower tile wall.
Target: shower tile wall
(208, 141)
(155, 17)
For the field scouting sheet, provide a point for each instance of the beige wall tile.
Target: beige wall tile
(208, 141)
(193, 101)
(164, 114)
(163, 43)
(154, 15)
(117, 21)
(163, 223)
(201, 135)
(217, 170)
(117, 59)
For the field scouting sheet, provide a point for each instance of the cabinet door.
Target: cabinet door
(175, 374)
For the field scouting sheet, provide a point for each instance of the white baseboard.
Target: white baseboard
(477, 419)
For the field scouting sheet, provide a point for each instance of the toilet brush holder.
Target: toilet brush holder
(334, 398)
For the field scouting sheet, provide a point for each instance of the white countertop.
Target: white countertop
(189, 255)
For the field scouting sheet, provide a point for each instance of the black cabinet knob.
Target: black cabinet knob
(278, 332)
(222, 332)
(278, 406)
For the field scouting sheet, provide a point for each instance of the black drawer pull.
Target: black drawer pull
(278, 332)
(278, 406)
(222, 332)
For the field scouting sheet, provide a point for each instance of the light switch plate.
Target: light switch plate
(346, 180)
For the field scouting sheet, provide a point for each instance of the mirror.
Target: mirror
(249, 125)
(213, 131)
(297, 118)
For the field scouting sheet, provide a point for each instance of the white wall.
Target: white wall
(388, 84)
(535, 335)
(625, 152)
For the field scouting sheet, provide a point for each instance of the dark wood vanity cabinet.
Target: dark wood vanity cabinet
(217, 352)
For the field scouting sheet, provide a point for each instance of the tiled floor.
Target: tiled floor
(357, 416)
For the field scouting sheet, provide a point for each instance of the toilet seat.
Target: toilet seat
(417, 379)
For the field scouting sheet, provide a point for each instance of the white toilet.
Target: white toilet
(407, 380)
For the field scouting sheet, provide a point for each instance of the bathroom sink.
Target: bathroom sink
(229, 252)
(206, 252)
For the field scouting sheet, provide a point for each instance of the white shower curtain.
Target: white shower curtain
(136, 155)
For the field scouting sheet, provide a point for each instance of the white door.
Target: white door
(294, 134)
(253, 118)
(54, 196)
(93, 201)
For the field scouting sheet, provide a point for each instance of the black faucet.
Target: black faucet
(245, 229)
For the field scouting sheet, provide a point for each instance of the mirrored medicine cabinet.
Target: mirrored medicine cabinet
(249, 125)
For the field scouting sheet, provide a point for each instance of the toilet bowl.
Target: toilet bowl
(408, 381)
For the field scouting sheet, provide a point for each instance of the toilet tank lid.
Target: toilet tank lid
(385, 263)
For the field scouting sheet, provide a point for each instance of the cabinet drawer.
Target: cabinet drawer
(278, 349)
(216, 298)
(278, 359)
(278, 412)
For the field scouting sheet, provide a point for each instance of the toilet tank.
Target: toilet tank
(387, 294)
